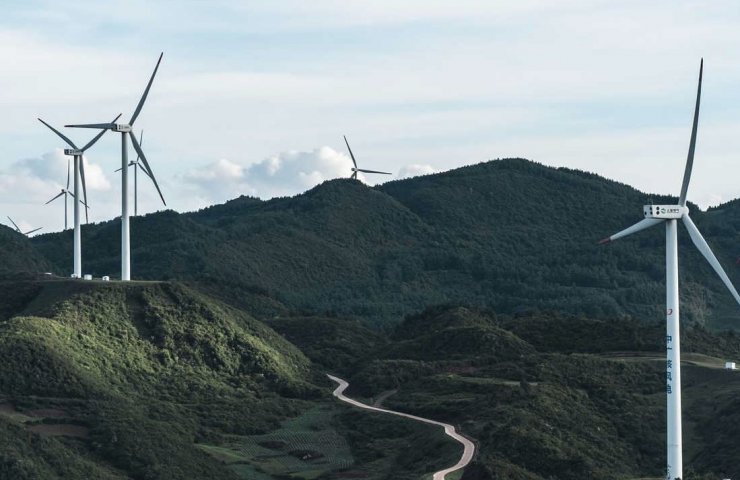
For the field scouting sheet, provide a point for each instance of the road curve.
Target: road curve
(468, 446)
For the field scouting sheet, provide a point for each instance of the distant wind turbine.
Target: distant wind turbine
(355, 169)
(17, 229)
(66, 192)
(79, 181)
(136, 165)
(126, 132)
(670, 214)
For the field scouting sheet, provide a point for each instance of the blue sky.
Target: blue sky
(253, 97)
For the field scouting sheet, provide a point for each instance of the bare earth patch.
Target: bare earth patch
(65, 430)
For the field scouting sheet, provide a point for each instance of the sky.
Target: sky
(253, 97)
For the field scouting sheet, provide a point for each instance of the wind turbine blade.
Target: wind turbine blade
(372, 171)
(58, 195)
(68, 162)
(104, 126)
(82, 178)
(137, 147)
(692, 143)
(34, 230)
(638, 227)
(143, 169)
(703, 247)
(97, 137)
(14, 224)
(350, 152)
(60, 134)
(118, 169)
(141, 142)
(146, 93)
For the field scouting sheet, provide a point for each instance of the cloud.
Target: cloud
(416, 169)
(282, 174)
(51, 168)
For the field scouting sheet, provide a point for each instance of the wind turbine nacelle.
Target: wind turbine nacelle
(73, 152)
(119, 127)
(665, 212)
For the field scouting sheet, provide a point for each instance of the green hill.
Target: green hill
(510, 234)
(133, 376)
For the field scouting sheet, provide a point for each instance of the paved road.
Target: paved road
(468, 446)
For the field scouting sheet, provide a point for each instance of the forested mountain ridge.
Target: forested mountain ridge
(509, 234)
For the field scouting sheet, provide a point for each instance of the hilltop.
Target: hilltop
(508, 234)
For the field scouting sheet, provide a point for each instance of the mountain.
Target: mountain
(511, 234)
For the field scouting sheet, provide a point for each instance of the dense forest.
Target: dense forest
(510, 234)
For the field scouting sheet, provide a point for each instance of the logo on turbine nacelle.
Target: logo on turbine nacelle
(119, 127)
(72, 152)
(664, 211)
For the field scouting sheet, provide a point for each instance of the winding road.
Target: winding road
(468, 446)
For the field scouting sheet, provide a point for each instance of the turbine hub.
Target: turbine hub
(665, 212)
(121, 127)
(73, 152)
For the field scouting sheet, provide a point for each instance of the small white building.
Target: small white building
(729, 365)
(87, 276)
(106, 278)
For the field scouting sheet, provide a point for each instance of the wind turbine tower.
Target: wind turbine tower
(126, 131)
(79, 181)
(670, 215)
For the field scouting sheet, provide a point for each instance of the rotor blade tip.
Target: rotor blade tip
(605, 241)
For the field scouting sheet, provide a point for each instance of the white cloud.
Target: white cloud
(415, 169)
(52, 168)
(286, 173)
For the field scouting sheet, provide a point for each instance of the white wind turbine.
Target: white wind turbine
(79, 181)
(66, 193)
(126, 132)
(355, 170)
(137, 164)
(670, 214)
(18, 229)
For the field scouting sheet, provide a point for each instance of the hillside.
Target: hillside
(18, 255)
(124, 380)
(559, 397)
(511, 235)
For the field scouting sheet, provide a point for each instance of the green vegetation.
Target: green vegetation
(154, 368)
(511, 235)
(543, 347)
(585, 401)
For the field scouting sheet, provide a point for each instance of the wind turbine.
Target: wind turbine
(66, 192)
(126, 131)
(355, 169)
(79, 178)
(670, 214)
(17, 229)
(136, 164)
